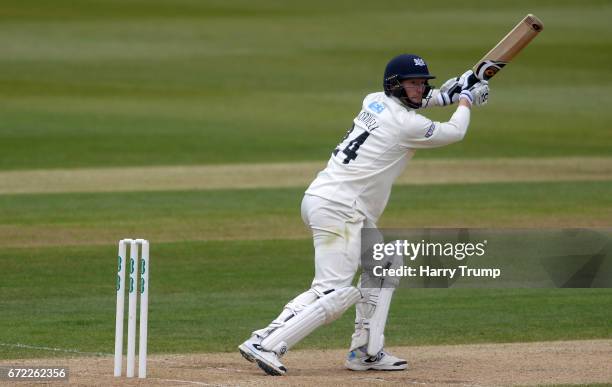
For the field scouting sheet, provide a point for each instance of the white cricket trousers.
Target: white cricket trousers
(336, 233)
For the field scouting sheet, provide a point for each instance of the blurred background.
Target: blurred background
(92, 89)
(115, 83)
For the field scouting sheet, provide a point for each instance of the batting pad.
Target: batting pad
(323, 311)
(378, 321)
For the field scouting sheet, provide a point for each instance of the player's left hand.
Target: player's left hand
(478, 94)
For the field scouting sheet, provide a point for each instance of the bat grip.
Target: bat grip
(471, 81)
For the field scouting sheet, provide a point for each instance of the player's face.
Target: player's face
(414, 88)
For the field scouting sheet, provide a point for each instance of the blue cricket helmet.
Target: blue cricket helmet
(405, 66)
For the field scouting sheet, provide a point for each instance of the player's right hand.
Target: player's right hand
(467, 80)
(454, 86)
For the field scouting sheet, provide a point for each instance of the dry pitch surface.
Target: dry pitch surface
(540, 363)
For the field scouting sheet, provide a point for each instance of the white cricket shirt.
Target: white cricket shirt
(385, 135)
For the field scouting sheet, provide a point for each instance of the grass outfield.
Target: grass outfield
(94, 218)
(208, 296)
(119, 83)
(176, 83)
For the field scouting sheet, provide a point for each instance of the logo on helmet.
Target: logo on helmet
(419, 62)
(400, 68)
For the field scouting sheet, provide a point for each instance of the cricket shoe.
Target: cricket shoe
(359, 360)
(268, 361)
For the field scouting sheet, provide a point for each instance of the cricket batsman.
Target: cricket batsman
(351, 193)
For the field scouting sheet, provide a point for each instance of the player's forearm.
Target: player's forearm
(454, 129)
(465, 102)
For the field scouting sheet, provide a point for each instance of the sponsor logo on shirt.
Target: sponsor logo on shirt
(376, 107)
(430, 130)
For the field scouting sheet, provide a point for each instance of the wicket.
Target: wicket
(144, 304)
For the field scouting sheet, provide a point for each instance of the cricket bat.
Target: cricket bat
(507, 48)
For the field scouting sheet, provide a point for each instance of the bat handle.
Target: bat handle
(471, 81)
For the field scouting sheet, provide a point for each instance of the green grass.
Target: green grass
(124, 83)
(425, 204)
(267, 213)
(118, 83)
(208, 296)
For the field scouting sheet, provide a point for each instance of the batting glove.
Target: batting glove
(450, 90)
(476, 95)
